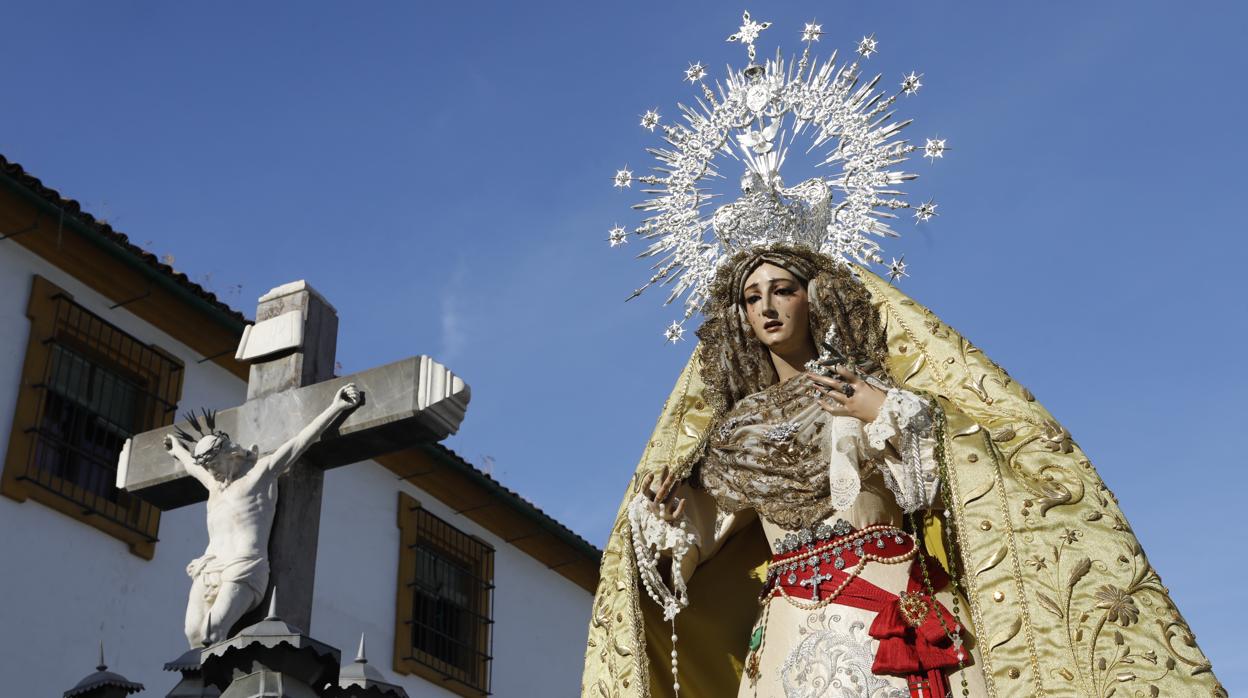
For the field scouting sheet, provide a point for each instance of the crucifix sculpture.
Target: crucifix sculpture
(298, 420)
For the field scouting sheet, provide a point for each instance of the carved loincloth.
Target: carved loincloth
(249, 572)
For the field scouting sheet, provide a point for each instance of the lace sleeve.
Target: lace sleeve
(654, 538)
(904, 424)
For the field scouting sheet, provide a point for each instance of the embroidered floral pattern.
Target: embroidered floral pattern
(766, 455)
(1118, 605)
(832, 664)
(778, 452)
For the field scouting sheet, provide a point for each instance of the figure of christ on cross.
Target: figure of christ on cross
(232, 575)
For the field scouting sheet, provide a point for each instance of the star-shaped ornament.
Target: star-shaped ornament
(897, 269)
(748, 32)
(868, 46)
(624, 178)
(674, 332)
(650, 119)
(935, 148)
(617, 236)
(812, 32)
(695, 72)
(926, 211)
(911, 83)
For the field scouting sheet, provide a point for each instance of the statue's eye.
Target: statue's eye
(750, 299)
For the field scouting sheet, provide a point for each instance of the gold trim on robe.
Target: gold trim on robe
(1061, 595)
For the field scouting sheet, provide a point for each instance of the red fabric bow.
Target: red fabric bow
(905, 649)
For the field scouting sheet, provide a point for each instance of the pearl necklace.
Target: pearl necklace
(852, 575)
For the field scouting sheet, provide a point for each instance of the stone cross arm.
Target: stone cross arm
(408, 402)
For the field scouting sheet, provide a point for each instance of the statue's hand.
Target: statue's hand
(670, 508)
(850, 394)
(348, 398)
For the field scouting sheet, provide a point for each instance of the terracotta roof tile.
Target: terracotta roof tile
(74, 209)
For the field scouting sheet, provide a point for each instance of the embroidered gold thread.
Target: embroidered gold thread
(1018, 572)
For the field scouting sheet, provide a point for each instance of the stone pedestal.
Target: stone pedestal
(270, 660)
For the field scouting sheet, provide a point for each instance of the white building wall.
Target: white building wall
(65, 586)
(540, 617)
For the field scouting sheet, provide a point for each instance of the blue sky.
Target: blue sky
(442, 174)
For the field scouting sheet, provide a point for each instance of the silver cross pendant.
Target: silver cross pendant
(815, 580)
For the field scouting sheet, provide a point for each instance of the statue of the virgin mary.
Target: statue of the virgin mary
(842, 495)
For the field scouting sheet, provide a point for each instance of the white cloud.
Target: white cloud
(454, 333)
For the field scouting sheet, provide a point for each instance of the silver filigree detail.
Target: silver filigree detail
(650, 119)
(674, 332)
(753, 118)
(897, 269)
(780, 433)
(868, 46)
(831, 663)
(748, 32)
(926, 211)
(911, 83)
(728, 426)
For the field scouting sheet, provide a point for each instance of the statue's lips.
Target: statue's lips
(772, 325)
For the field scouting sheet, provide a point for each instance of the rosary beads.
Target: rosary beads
(652, 536)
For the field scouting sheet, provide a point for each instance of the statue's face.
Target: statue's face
(778, 308)
(222, 457)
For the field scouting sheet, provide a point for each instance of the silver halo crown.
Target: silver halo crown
(753, 118)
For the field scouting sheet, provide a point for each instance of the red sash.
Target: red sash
(913, 642)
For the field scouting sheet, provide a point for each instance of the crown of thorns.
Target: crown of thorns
(204, 424)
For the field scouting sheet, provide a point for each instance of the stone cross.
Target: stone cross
(291, 350)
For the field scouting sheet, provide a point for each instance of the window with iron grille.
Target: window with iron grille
(444, 612)
(86, 387)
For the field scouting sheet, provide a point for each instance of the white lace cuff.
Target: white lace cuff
(902, 411)
(653, 538)
(905, 422)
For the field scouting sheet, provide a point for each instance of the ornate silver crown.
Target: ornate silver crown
(753, 118)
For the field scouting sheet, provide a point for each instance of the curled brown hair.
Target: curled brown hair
(735, 363)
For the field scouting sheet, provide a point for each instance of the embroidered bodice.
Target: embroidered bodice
(778, 452)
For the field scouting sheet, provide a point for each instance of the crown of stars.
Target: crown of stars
(926, 211)
(868, 46)
(897, 269)
(911, 83)
(650, 119)
(782, 98)
(674, 332)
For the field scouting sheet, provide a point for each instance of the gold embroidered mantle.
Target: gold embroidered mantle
(1062, 597)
